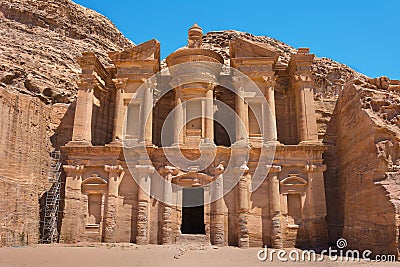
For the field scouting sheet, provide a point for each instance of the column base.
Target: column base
(115, 143)
(272, 143)
(241, 143)
(178, 145)
(79, 143)
(310, 143)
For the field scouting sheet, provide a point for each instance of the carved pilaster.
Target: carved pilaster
(316, 224)
(168, 172)
(302, 83)
(179, 118)
(115, 174)
(120, 110)
(243, 208)
(269, 116)
(146, 113)
(275, 207)
(217, 206)
(241, 134)
(143, 214)
(73, 201)
(82, 131)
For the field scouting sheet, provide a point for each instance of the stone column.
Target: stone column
(241, 134)
(309, 131)
(73, 209)
(120, 109)
(209, 113)
(275, 207)
(106, 121)
(217, 207)
(300, 70)
(243, 207)
(146, 114)
(303, 127)
(316, 205)
(270, 117)
(82, 132)
(143, 218)
(101, 126)
(167, 237)
(179, 119)
(115, 174)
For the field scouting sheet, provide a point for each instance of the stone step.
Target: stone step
(198, 240)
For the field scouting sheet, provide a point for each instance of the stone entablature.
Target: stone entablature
(110, 199)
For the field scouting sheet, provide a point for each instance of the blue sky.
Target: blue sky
(364, 35)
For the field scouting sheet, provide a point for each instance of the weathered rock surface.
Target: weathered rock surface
(41, 41)
(363, 177)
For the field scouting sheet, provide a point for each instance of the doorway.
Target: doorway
(193, 211)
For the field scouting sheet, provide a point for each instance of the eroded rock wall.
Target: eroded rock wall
(40, 41)
(362, 181)
(27, 127)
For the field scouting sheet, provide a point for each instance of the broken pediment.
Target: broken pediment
(241, 48)
(149, 50)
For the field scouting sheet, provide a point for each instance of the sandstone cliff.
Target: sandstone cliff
(363, 179)
(40, 41)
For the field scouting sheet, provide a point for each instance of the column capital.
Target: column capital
(145, 168)
(314, 168)
(217, 170)
(169, 170)
(151, 83)
(120, 83)
(269, 80)
(238, 81)
(274, 168)
(243, 169)
(303, 80)
(113, 168)
(88, 82)
(73, 168)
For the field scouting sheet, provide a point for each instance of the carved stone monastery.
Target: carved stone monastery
(111, 193)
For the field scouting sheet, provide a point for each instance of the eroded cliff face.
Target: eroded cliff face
(40, 41)
(27, 127)
(362, 182)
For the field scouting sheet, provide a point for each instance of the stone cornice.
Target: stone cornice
(145, 168)
(113, 168)
(73, 168)
(314, 168)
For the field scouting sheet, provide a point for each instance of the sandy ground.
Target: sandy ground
(117, 255)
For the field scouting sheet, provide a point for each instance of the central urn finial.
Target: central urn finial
(195, 34)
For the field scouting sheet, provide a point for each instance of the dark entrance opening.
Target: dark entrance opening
(193, 211)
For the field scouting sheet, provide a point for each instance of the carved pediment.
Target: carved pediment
(293, 180)
(192, 179)
(94, 185)
(241, 48)
(149, 50)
